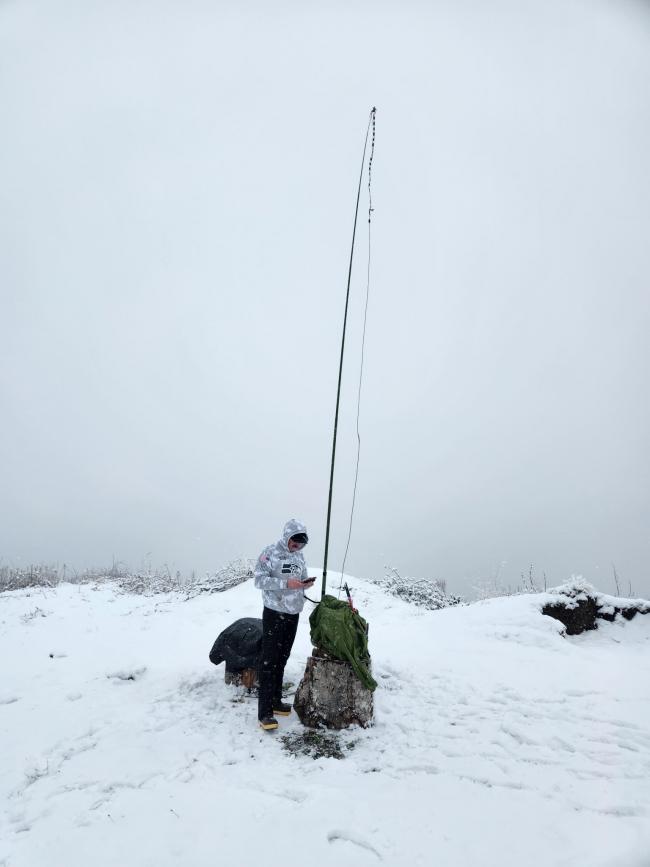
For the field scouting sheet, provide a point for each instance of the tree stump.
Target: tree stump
(331, 695)
(246, 677)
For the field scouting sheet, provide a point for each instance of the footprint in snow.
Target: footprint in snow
(347, 837)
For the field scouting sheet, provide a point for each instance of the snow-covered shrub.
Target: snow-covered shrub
(490, 588)
(236, 572)
(47, 575)
(23, 577)
(431, 594)
(150, 582)
(493, 588)
(147, 581)
(575, 590)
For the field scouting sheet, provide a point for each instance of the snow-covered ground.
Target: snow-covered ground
(497, 740)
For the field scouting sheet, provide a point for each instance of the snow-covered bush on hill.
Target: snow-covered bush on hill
(22, 577)
(430, 594)
(493, 587)
(143, 582)
(236, 572)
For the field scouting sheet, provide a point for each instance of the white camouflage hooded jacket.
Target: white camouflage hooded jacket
(275, 565)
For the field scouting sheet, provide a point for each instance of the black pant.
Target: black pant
(278, 634)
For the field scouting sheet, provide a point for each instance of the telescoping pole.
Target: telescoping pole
(345, 320)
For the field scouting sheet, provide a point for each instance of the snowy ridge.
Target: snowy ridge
(498, 741)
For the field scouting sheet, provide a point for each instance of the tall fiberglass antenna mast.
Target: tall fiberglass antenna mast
(371, 126)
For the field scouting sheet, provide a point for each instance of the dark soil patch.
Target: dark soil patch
(316, 745)
(582, 614)
(578, 619)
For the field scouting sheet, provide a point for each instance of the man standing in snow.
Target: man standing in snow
(281, 575)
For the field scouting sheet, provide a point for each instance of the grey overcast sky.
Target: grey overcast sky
(177, 184)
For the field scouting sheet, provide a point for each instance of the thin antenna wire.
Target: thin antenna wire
(345, 319)
(363, 345)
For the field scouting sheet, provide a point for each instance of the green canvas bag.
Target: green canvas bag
(343, 634)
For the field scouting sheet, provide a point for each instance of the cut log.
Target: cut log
(331, 695)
